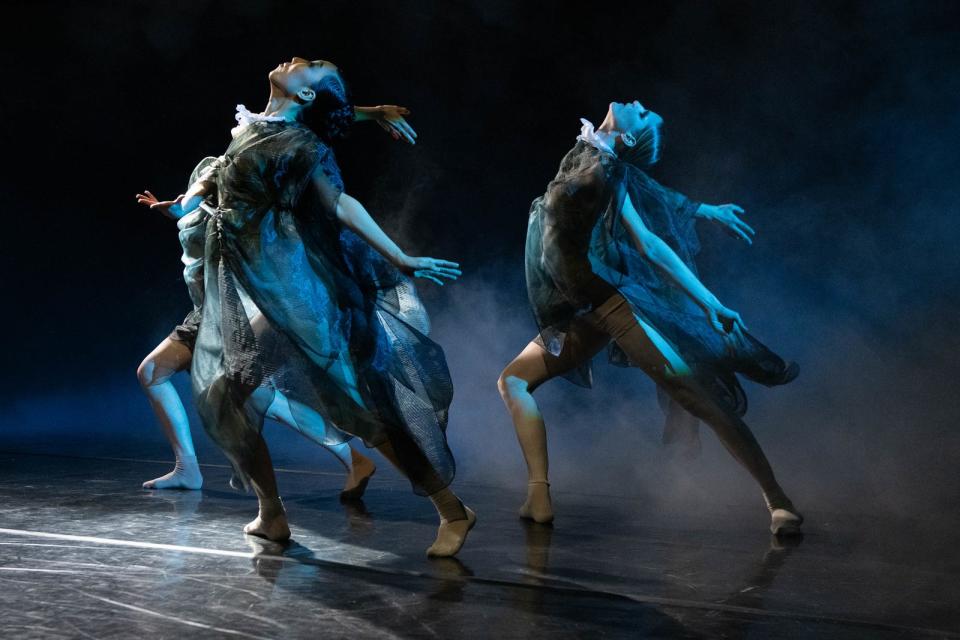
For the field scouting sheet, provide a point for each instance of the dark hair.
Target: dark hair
(330, 115)
(647, 150)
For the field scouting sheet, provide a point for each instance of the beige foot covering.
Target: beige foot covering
(538, 506)
(271, 522)
(452, 535)
(785, 519)
(785, 523)
(456, 520)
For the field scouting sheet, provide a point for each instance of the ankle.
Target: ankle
(778, 500)
(186, 463)
(271, 507)
(449, 507)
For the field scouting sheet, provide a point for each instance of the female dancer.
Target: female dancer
(343, 334)
(175, 352)
(588, 287)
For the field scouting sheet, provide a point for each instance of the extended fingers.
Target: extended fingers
(400, 126)
(409, 129)
(740, 233)
(743, 226)
(428, 276)
(451, 270)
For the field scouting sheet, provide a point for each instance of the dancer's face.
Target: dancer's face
(299, 75)
(631, 117)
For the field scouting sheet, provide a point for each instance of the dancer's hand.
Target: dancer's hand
(727, 216)
(390, 118)
(169, 208)
(430, 268)
(727, 322)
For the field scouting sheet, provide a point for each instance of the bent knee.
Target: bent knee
(509, 384)
(150, 374)
(145, 373)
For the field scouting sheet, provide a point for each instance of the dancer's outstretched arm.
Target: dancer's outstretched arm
(724, 320)
(353, 214)
(181, 205)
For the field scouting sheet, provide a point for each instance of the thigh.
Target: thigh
(535, 365)
(298, 416)
(168, 358)
(684, 389)
(643, 344)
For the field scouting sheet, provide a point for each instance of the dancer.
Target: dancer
(595, 243)
(344, 332)
(175, 353)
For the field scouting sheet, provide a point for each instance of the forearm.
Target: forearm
(356, 218)
(361, 114)
(191, 199)
(664, 258)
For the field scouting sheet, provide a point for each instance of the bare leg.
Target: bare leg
(681, 431)
(155, 373)
(456, 520)
(295, 415)
(619, 322)
(271, 520)
(308, 422)
(534, 366)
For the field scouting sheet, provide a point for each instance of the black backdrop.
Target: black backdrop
(834, 124)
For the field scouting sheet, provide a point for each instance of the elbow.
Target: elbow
(646, 245)
(341, 212)
(344, 213)
(346, 210)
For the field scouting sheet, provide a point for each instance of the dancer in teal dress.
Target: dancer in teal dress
(608, 259)
(305, 295)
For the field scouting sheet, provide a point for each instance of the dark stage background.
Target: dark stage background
(834, 124)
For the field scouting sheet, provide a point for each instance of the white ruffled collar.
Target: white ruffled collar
(245, 117)
(589, 135)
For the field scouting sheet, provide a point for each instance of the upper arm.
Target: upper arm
(325, 179)
(346, 206)
(631, 219)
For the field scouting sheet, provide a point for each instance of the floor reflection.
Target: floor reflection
(83, 548)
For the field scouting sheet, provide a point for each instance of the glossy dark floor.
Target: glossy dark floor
(85, 553)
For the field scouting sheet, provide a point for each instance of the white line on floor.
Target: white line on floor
(130, 543)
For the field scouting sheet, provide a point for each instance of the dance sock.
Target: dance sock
(185, 475)
(271, 521)
(456, 520)
(538, 506)
(361, 470)
(785, 520)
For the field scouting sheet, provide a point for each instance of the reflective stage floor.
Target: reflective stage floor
(85, 553)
